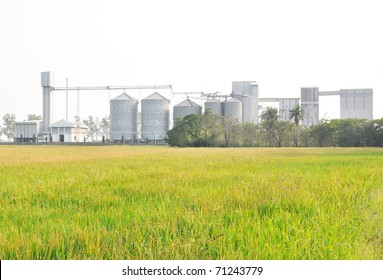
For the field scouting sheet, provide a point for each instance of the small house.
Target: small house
(63, 131)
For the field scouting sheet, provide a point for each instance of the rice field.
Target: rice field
(123, 202)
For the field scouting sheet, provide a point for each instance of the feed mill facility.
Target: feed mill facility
(150, 118)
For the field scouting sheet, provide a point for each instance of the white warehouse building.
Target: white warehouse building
(63, 131)
(27, 131)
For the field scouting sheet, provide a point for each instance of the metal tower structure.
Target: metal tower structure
(47, 83)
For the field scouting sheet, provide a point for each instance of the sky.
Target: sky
(197, 45)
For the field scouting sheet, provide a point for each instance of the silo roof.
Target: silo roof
(233, 100)
(187, 103)
(155, 96)
(124, 96)
(213, 100)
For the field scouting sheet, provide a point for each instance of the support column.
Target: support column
(46, 83)
(310, 105)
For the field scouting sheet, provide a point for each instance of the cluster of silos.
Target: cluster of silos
(231, 107)
(123, 117)
(154, 117)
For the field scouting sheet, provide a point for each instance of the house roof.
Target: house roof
(29, 122)
(63, 123)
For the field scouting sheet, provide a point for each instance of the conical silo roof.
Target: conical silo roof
(124, 96)
(233, 100)
(155, 96)
(187, 103)
(212, 100)
(186, 107)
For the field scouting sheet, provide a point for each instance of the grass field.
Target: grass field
(121, 202)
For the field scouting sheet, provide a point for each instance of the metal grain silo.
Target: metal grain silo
(186, 107)
(233, 107)
(215, 106)
(123, 117)
(154, 117)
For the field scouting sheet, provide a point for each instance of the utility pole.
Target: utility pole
(66, 112)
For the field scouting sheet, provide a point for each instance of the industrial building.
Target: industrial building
(63, 131)
(310, 105)
(285, 105)
(151, 120)
(354, 103)
(28, 131)
(247, 93)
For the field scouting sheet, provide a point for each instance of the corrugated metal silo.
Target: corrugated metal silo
(186, 107)
(233, 107)
(154, 117)
(215, 106)
(123, 117)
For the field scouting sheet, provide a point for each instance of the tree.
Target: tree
(322, 133)
(33, 117)
(228, 125)
(374, 131)
(94, 129)
(212, 128)
(9, 121)
(350, 132)
(105, 126)
(283, 133)
(298, 114)
(305, 137)
(269, 118)
(194, 126)
(77, 120)
(248, 134)
(177, 136)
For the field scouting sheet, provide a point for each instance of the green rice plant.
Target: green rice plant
(124, 202)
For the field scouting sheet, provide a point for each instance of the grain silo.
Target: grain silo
(233, 108)
(186, 107)
(154, 117)
(123, 117)
(215, 106)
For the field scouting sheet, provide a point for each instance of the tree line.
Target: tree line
(210, 130)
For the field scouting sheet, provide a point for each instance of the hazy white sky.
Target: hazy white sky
(197, 45)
